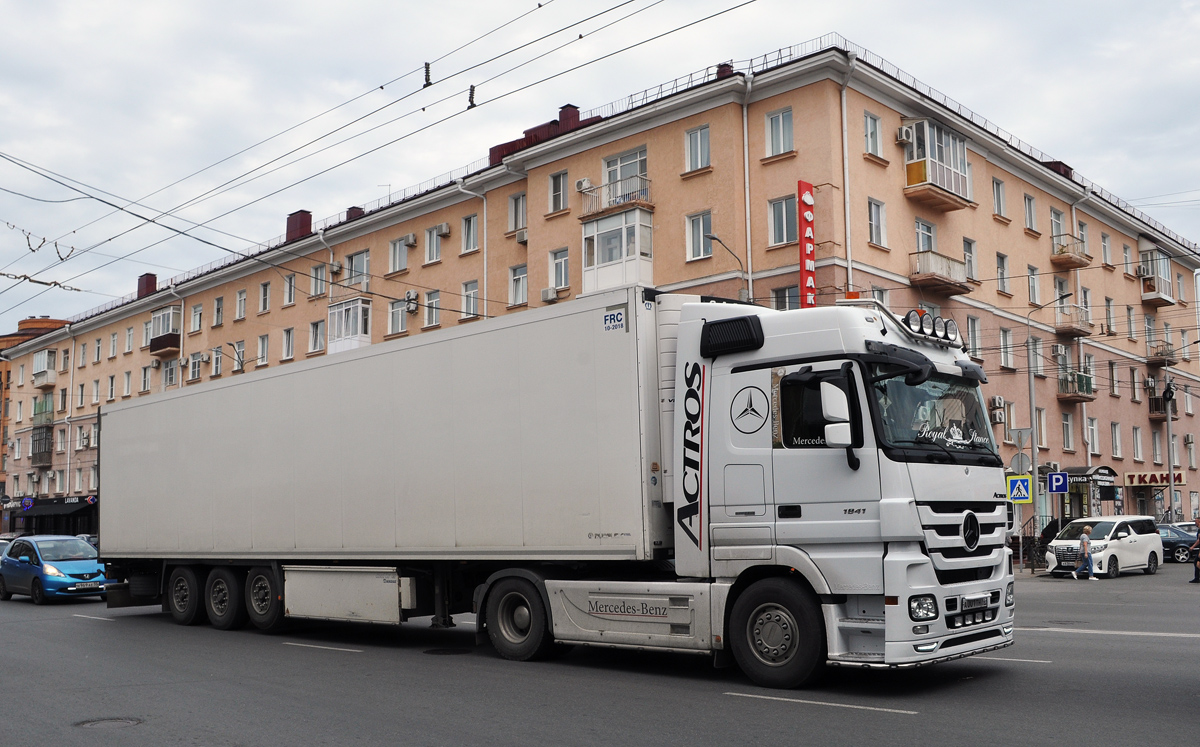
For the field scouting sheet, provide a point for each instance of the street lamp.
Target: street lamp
(237, 356)
(1033, 425)
(743, 293)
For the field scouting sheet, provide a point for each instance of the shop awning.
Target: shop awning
(54, 509)
(1098, 475)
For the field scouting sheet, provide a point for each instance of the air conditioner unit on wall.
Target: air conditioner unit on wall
(1052, 466)
(1143, 271)
(583, 184)
(996, 402)
(1189, 439)
(155, 363)
(335, 268)
(523, 236)
(997, 416)
(549, 295)
(1058, 350)
(442, 229)
(905, 135)
(409, 239)
(1148, 383)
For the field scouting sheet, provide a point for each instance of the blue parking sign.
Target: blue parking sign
(1056, 482)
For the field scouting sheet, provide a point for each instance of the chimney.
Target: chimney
(299, 225)
(724, 70)
(147, 284)
(568, 117)
(354, 212)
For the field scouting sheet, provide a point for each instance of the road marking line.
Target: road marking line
(327, 648)
(1025, 661)
(89, 617)
(823, 703)
(1111, 632)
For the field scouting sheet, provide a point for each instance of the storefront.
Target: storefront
(1146, 494)
(1091, 491)
(72, 514)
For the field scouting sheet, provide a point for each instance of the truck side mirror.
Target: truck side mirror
(834, 406)
(838, 436)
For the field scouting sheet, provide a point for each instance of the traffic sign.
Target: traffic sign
(1020, 464)
(1056, 482)
(1020, 488)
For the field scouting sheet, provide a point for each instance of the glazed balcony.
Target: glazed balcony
(615, 197)
(1068, 252)
(935, 165)
(938, 273)
(1072, 321)
(1159, 407)
(1156, 292)
(1161, 354)
(1076, 386)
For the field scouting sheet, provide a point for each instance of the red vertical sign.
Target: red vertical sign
(808, 255)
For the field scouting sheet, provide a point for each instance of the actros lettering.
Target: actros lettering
(693, 445)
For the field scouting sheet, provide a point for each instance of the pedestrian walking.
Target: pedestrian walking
(1195, 552)
(1085, 554)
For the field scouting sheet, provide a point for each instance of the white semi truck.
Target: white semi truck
(628, 469)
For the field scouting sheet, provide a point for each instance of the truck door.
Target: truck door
(825, 495)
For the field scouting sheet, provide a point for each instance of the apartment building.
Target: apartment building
(695, 186)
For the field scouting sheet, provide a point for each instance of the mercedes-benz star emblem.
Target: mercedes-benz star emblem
(748, 411)
(970, 531)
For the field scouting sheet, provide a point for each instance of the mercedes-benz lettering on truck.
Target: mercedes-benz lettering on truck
(629, 469)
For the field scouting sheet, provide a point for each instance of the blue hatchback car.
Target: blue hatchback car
(49, 567)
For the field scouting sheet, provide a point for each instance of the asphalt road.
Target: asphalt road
(1108, 662)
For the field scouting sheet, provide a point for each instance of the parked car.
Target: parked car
(1119, 543)
(91, 539)
(51, 566)
(1175, 542)
(3, 544)
(1186, 526)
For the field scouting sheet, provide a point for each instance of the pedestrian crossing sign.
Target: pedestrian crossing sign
(1019, 490)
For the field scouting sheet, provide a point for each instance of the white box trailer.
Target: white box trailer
(628, 469)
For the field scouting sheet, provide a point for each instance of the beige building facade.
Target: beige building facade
(692, 187)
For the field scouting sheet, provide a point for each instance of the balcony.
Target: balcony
(1072, 321)
(1068, 252)
(43, 418)
(44, 379)
(938, 273)
(1153, 292)
(1159, 406)
(165, 345)
(615, 197)
(1161, 354)
(935, 166)
(1076, 386)
(42, 448)
(41, 458)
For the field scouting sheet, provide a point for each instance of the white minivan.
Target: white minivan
(1119, 543)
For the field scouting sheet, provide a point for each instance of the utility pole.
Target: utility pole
(1038, 503)
(1168, 404)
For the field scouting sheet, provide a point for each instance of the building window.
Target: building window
(1010, 413)
(397, 321)
(1034, 296)
(1115, 431)
(1127, 258)
(289, 344)
(1058, 230)
(129, 339)
(93, 477)
(316, 280)
(1068, 432)
(516, 212)
(128, 388)
(783, 221)
(926, 236)
(397, 256)
(1156, 446)
(1179, 294)
(998, 197)
(1137, 444)
(1135, 392)
(145, 379)
(558, 191)
(263, 343)
(96, 359)
(239, 311)
(1002, 273)
(112, 345)
(612, 238)
(1114, 379)
(1006, 351)
(1187, 399)
(974, 345)
(1036, 352)
(470, 294)
(1030, 213)
(358, 267)
(197, 318)
(699, 228)
(239, 355)
(217, 359)
(264, 297)
(779, 132)
(194, 366)
(1129, 325)
(871, 132)
(626, 173)
(349, 320)
(1083, 237)
(95, 391)
(786, 298)
(559, 268)
(218, 311)
(876, 222)
(518, 285)
(1093, 436)
(289, 289)
(112, 387)
(1174, 450)
(433, 245)
(433, 301)
(1105, 249)
(316, 336)
(470, 233)
(170, 372)
(1040, 413)
(697, 148)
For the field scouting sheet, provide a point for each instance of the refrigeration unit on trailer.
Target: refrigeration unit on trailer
(786, 489)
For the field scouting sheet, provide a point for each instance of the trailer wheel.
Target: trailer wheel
(224, 598)
(264, 602)
(777, 634)
(184, 596)
(517, 622)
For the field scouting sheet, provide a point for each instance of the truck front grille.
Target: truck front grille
(954, 561)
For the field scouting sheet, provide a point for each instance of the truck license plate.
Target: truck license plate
(974, 603)
(88, 585)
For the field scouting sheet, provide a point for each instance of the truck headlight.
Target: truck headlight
(1008, 596)
(923, 607)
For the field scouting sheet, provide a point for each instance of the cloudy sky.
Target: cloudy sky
(169, 105)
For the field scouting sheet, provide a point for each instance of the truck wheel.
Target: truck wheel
(264, 603)
(224, 598)
(184, 596)
(1151, 564)
(5, 594)
(517, 622)
(777, 635)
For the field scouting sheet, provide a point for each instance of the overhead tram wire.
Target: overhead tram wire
(392, 142)
(373, 89)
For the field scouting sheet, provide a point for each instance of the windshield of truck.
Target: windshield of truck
(944, 411)
(1071, 531)
(66, 549)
